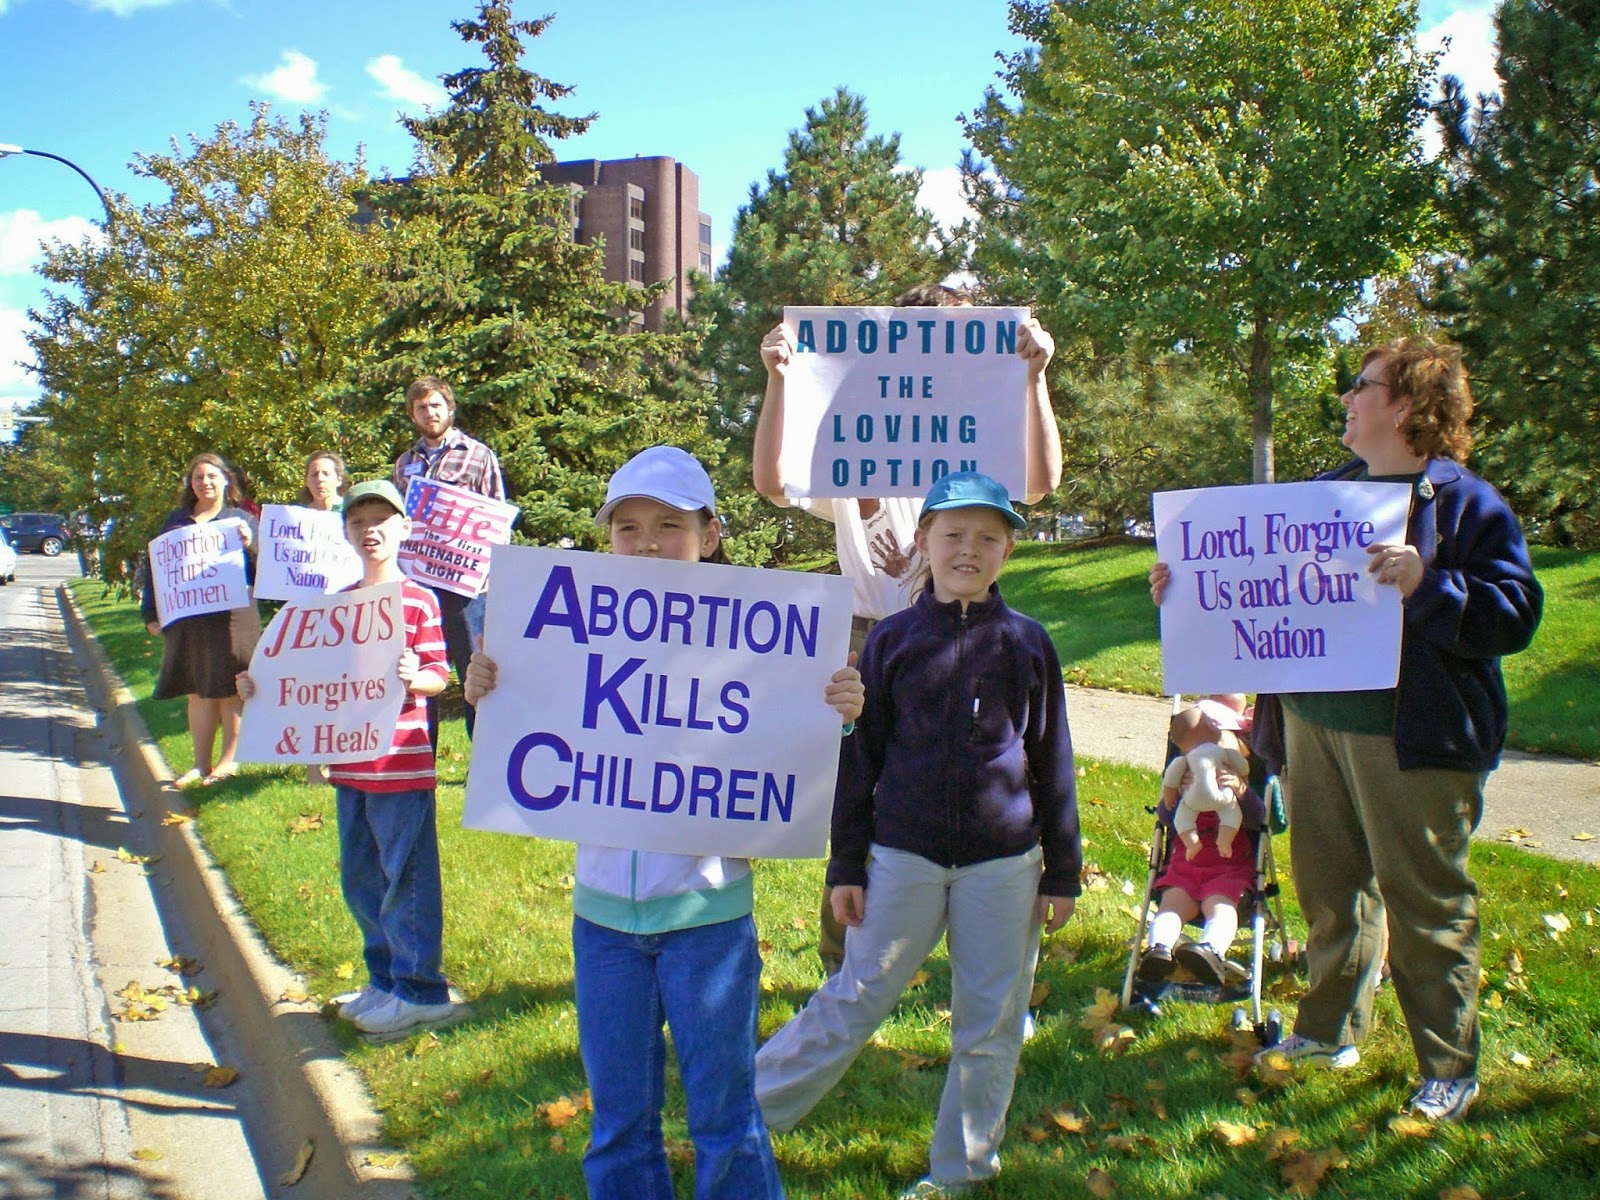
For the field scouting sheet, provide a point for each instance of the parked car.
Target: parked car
(37, 533)
(8, 560)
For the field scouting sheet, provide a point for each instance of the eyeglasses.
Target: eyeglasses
(1362, 383)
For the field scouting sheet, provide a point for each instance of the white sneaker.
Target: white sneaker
(363, 1001)
(1443, 1099)
(1298, 1049)
(394, 1018)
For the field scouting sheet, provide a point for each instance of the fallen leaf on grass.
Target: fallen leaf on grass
(1232, 1135)
(1062, 952)
(1069, 1120)
(305, 823)
(1280, 1140)
(1461, 1191)
(294, 994)
(145, 1154)
(177, 818)
(1558, 924)
(919, 979)
(1273, 1069)
(302, 1160)
(1303, 1170)
(558, 1113)
(386, 1162)
(1040, 993)
(1128, 1143)
(450, 1098)
(1519, 1059)
(345, 970)
(1100, 1183)
(1101, 1011)
(912, 1061)
(680, 1150)
(1410, 1127)
(221, 1077)
(1114, 1039)
(557, 1144)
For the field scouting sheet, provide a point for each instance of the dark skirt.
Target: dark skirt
(202, 654)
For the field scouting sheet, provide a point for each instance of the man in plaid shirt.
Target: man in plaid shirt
(444, 453)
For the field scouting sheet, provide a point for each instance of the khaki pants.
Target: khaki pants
(1367, 842)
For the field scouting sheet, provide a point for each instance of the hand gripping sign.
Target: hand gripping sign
(653, 705)
(452, 530)
(304, 554)
(886, 401)
(198, 569)
(1270, 590)
(326, 690)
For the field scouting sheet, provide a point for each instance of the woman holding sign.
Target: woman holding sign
(203, 653)
(325, 482)
(1385, 787)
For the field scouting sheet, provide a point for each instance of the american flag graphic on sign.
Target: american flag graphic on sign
(451, 532)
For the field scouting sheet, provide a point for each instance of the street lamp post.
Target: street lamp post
(7, 149)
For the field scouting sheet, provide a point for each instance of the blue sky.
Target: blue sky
(716, 84)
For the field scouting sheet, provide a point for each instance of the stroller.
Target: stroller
(1261, 907)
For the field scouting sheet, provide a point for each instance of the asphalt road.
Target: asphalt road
(90, 1105)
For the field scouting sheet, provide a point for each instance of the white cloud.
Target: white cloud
(941, 195)
(403, 85)
(17, 387)
(22, 231)
(1471, 52)
(120, 8)
(293, 80)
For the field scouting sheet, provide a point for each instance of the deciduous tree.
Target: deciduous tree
(1212, 176)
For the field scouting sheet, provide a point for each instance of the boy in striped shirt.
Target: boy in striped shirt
(388, 844)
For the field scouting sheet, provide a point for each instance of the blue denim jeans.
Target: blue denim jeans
(389, 869)
(703, 983)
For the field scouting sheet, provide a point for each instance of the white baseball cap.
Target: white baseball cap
(1220, 715)
(665, 474)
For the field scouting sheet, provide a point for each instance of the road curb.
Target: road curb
(307, 1089)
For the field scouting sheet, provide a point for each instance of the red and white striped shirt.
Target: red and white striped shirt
(408, 766)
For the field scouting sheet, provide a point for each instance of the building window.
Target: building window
(636, 239)
(636, 270)
(705, 232)
(705, 264)
(636, 208)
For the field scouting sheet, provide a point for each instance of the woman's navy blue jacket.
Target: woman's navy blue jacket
(1478, 600)
(962, 754)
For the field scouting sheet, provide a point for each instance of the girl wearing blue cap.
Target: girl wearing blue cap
(668, 939)
(955, 815)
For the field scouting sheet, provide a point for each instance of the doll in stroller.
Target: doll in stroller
(1201, 871)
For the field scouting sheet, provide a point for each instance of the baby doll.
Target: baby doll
(1205, 738)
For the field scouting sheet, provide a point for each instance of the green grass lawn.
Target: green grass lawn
(479, 1107)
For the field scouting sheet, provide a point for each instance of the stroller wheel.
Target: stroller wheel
(1270, 1031)
(1241, 1019)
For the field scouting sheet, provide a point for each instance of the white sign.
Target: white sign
(1270, 590)
(198, 569)
(886, 401)
(326, 690)
(654, 705)
(304, 554)
(452, 530)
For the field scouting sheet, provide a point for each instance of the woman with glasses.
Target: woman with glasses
(1385, 787)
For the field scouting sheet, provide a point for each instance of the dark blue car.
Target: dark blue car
(37, 533)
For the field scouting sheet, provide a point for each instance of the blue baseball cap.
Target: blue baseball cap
(969, 489)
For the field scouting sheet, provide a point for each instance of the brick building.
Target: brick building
(648, 212)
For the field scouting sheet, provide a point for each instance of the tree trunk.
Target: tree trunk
(1259, 386)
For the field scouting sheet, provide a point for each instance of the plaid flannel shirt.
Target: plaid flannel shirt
(461, 460)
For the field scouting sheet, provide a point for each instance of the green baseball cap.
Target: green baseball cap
(373, 489)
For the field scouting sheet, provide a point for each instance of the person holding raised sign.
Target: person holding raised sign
(444, 453)
(325, 482)
(201, 654)
(660, 937)
(955, 815)
(1385, 787)
(874, 536)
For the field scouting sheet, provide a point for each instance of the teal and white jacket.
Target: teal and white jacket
(643, 891)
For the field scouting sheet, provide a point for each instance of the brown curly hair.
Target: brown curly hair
(1430, 375)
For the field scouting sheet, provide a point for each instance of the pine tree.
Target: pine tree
(837, 224)
(493, 293)
(1524, 301)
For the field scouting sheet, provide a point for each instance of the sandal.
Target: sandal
(189, 778)
(221, 773)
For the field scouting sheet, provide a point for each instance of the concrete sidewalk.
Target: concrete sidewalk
(1551, 799)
